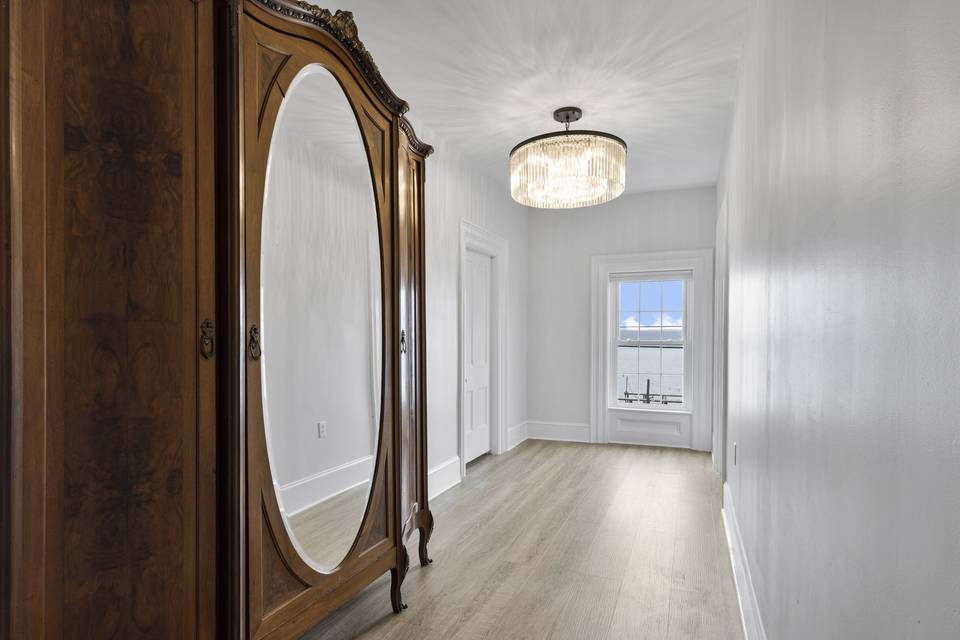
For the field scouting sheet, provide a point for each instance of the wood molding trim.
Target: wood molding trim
(343, 29)
(6, 411)
(416, 143)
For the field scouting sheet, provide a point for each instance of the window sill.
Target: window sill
(680, 410)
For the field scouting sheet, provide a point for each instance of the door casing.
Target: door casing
(477, 239)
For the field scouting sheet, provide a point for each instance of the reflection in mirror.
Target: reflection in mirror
(321, 318)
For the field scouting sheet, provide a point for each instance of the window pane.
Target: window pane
(654, 385)
(650, 296)
(627, 360)
(649, 333)
(650, 310)
(672, 318)
(673, 295)
(628, 387)
(629, 296)
(673, 388)
(672, 358)
(673, 333)
(649, 360)
(628, 325)
(649, 318)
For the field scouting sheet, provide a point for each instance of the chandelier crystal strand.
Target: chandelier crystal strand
(568, 170)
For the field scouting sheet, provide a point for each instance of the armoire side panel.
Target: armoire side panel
(130, 510)
(111, 507)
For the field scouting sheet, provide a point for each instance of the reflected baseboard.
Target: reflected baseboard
(304, 493)
(443, 476)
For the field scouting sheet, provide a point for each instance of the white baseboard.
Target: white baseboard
(304, 493)
(749, 609)
(516, 434)
(565, 431)
(443, 476)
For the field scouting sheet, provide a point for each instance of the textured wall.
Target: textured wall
(456, 190)
(320, 264)
(561, 243)
(843, 186)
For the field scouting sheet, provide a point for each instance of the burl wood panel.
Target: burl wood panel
(280, 584)
(129, 511)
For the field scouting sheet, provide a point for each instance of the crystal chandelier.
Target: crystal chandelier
(568, 169)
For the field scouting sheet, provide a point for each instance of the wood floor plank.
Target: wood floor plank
(643, 603)
(565, 541)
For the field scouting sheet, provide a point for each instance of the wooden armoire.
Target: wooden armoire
(137, 497)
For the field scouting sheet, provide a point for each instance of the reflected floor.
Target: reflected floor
(326, 530)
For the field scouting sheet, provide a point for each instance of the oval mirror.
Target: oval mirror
(321, 318)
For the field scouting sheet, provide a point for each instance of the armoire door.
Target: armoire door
(111, 320)
(415, 508)
(409, 341)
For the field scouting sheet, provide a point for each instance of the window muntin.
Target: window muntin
(649, 350)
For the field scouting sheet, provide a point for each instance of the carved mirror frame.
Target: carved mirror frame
(276, 592)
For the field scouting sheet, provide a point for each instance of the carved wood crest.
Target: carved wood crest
(341, 26)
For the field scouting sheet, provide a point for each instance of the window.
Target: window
(649, 344)
(666, 313)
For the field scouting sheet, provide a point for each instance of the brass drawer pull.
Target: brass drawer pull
(206, 339)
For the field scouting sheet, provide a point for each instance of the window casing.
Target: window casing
(649, 350)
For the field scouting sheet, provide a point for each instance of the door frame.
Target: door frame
(485, 242)
(720, 300)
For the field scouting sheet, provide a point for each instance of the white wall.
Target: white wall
(561, 243)
(843, 186)
(456, 190)
(319, 268)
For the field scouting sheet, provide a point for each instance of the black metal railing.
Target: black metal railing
(632, 397)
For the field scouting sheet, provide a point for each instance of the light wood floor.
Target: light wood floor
(326, 530)
(562, 540)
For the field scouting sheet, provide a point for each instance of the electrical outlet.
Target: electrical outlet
(321, 429)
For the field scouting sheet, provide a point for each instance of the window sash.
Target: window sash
(650, 343)
(617, 342)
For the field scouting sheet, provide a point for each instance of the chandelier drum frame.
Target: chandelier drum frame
(563, 175)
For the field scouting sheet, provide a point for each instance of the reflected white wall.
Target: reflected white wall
(318, 355)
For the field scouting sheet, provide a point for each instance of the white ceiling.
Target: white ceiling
(485, 74)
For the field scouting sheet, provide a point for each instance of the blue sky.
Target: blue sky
(651, 304)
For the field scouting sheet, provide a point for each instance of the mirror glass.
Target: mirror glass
(321, 318)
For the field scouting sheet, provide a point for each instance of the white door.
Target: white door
(476, 355)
